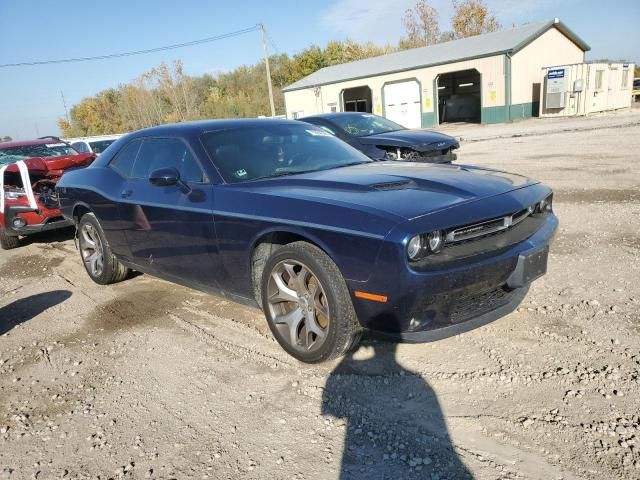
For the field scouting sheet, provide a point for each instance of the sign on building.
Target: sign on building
(555, 88)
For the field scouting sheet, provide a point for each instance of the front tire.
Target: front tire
(7, 242)
(100, 263)
(308, 305)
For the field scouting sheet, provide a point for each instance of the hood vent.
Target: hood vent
(399, 185)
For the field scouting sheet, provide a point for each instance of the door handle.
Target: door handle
(126, 193)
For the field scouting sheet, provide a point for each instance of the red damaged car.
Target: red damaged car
(29, 171)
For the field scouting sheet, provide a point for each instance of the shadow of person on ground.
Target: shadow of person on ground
(394, 425)
(25, 309)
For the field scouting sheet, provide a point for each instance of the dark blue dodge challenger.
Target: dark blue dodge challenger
(283, 215)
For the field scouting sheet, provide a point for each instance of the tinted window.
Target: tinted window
(272, 150)
(157, 153)
(365, 124)
(124, 161)
(80, 146)
(100, 146)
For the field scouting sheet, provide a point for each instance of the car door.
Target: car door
(170, 229)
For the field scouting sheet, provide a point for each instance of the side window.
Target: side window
(157, 153)
(80, 146)
(124, 161)
(599, 74)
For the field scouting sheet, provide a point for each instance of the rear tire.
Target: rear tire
(308, 305)
(100, 263)
(7, 242)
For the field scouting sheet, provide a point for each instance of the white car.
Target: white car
(95, 144)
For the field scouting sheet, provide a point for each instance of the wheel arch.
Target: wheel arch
(80, 209)
(267, 242)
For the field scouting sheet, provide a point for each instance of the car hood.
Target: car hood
(420, 140)
(405, 190)
(53, 166)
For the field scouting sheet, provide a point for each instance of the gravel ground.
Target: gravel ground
(145, 379)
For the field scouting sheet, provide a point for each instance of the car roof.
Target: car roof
(332, 115)
(24, 143)
(95, 138)
(200, 126)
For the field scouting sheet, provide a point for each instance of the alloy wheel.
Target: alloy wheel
(91, 250)
(298, 305)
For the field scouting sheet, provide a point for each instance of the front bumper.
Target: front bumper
(425, 306)
(50, 220)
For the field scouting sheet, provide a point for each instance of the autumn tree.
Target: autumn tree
(167, 94)
(6, 138)
(421, 26)
(472, 17)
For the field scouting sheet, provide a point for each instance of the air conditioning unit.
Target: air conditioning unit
(555, 88)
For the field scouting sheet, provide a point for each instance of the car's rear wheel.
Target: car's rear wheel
(100, 263)
(307, 304)
(7, 242)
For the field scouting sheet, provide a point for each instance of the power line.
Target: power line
(273, 44)
(136, 52)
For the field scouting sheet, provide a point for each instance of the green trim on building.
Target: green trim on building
(524, 110)
(429, 120)
(494, 114)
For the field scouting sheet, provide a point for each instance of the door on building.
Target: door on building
(357, 99)
(459, 96)
(402, 103)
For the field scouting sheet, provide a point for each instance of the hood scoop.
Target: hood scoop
(398, 185)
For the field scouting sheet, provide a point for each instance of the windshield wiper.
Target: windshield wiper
(281, 174)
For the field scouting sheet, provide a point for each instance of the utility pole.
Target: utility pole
(266, 61)
(64, 104)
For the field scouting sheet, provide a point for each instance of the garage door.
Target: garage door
(402, 103)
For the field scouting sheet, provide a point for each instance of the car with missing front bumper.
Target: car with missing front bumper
(284, 216)
(29, 171)
(382, 139)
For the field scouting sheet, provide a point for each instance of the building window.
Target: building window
(599, 74)
(298, 114)
(332, 107)
(625, 78)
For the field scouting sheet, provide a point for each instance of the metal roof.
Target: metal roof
(486, 45)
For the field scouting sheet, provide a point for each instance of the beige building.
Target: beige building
(585, 88)
(490, 78)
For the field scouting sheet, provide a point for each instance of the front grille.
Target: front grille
(487, 227)
(471, 306)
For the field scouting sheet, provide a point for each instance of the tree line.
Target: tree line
(165, 94)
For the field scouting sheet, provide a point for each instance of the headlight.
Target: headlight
(13, 194)
(545, 205)
(435, 241)
(414, 248)
(421, 245)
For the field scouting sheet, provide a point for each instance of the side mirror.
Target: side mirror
(164, 177)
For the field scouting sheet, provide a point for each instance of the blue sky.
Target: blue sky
(30, 99)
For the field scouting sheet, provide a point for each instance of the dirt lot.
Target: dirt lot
(147, 379)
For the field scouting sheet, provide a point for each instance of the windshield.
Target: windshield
(100, 146)
(272, 150)
(13, 154)
(365, 124)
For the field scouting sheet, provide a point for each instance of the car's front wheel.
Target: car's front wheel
(7, 242)
(307, 304)
(100, 263)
